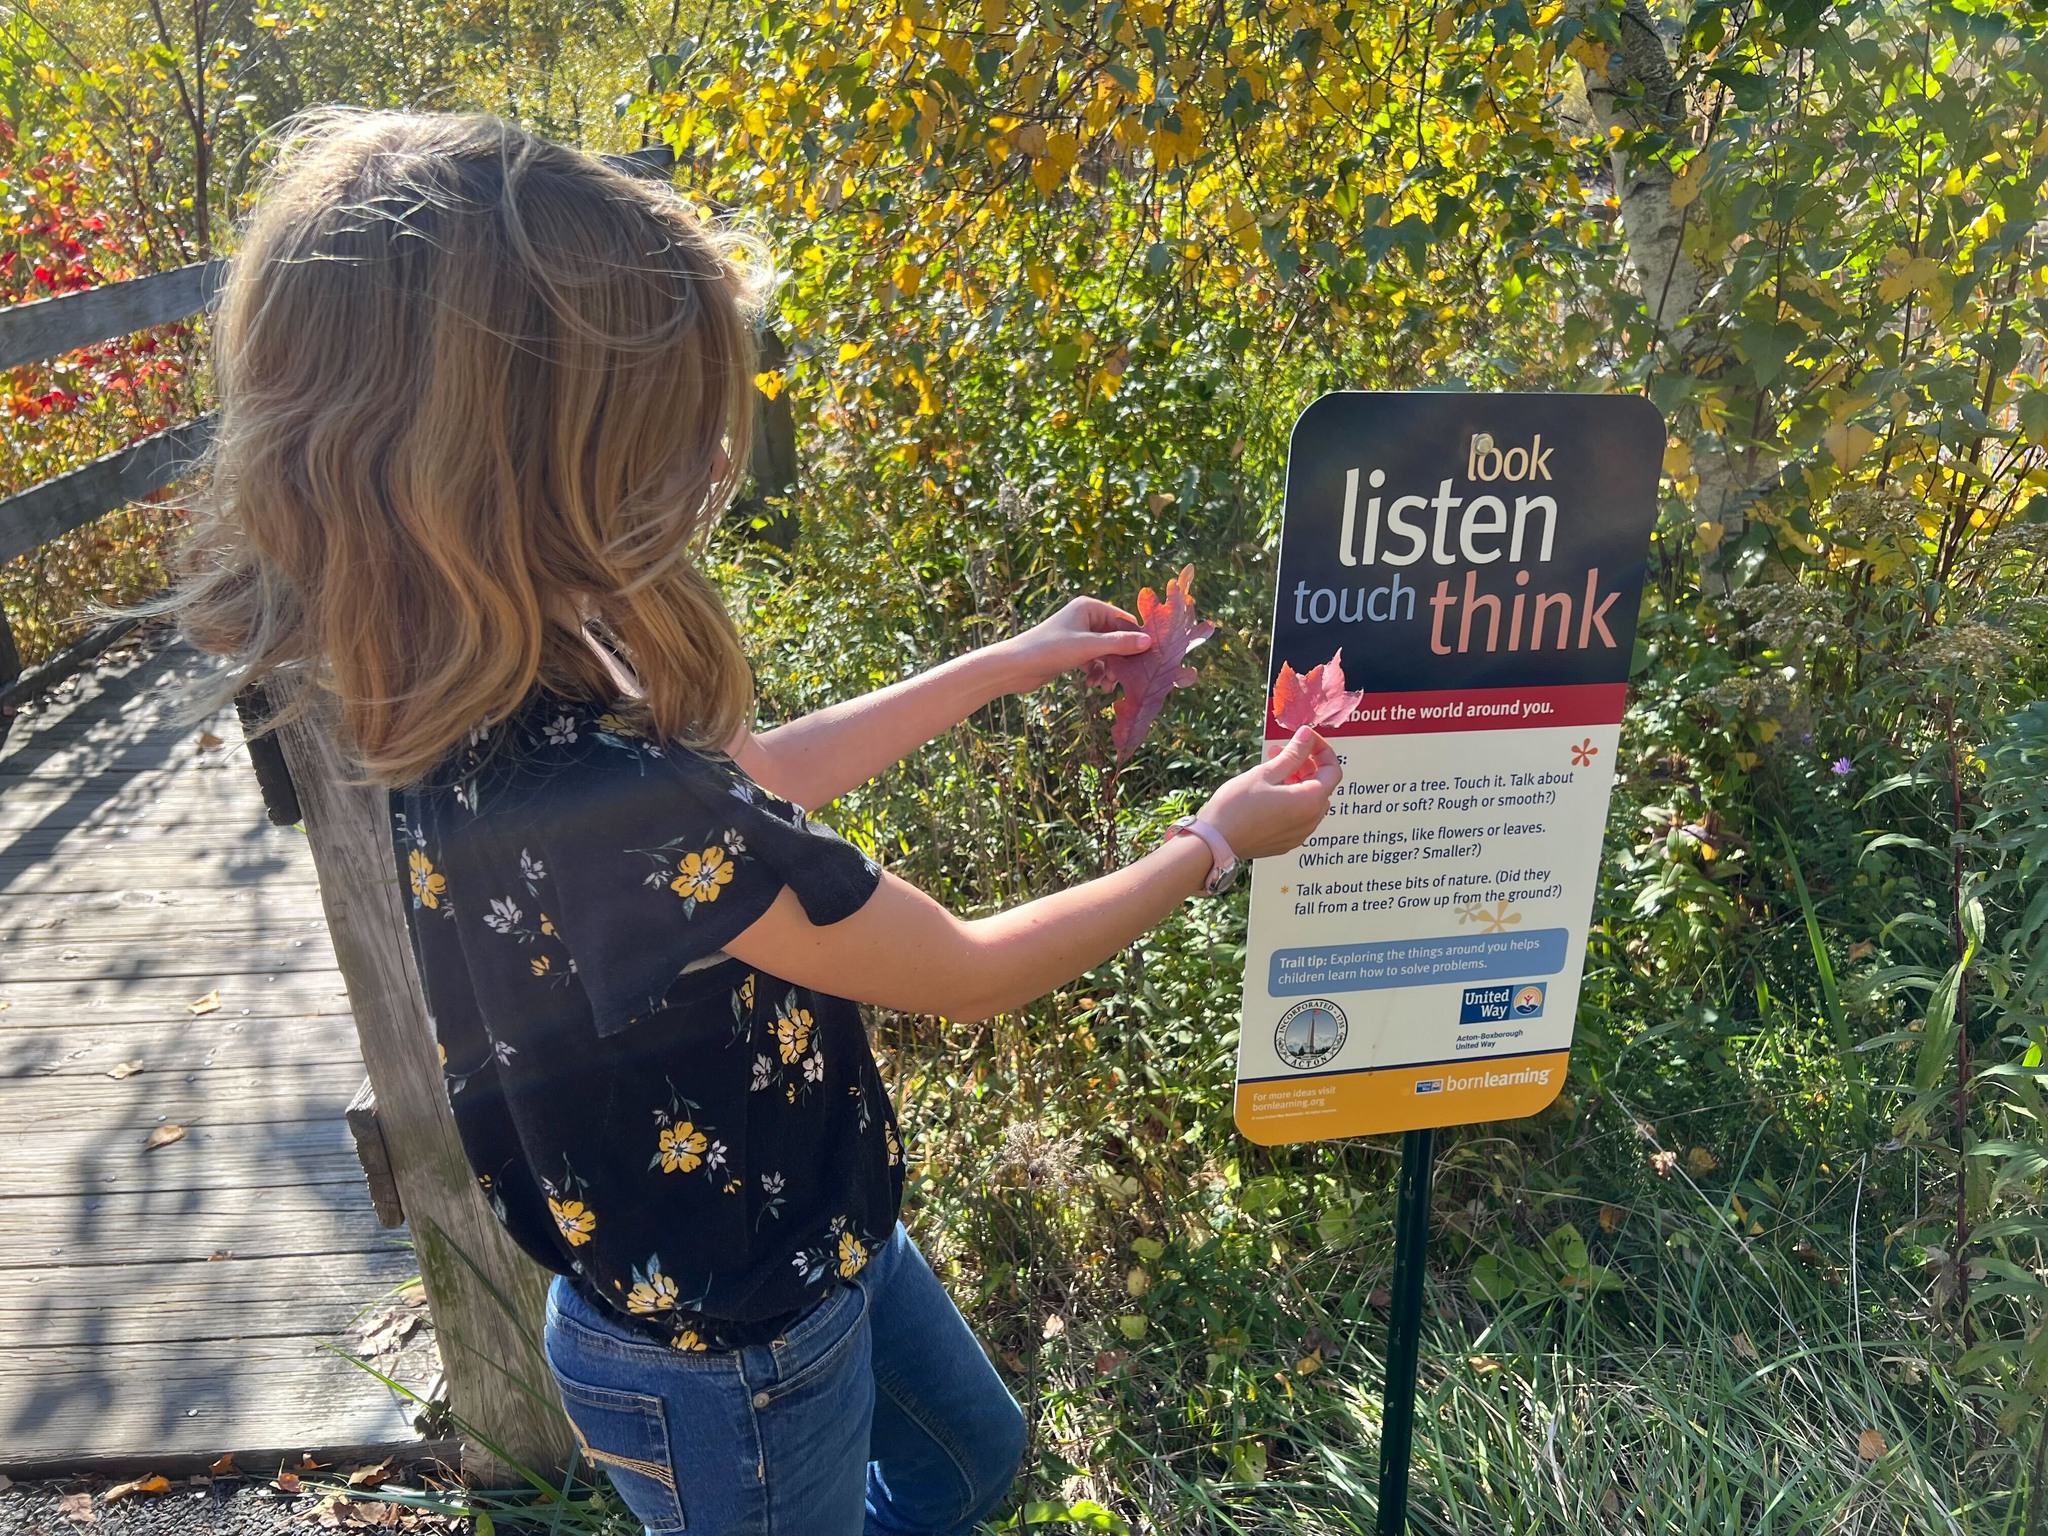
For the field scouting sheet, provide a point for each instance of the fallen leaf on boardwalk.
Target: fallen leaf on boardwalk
(372, 1477)
(208, 741)
(384, 1331)
(1740, 1346)
(308, 1464)
(206, 1004)
(163, 1136)
(78, 1507)
(1315, 699)
(125, 1069)
(1150, 676)
(225, 1466)
(375, 1514)
(332, 1511)
(1870, 1445)
(286, 1482)
(156, 1482)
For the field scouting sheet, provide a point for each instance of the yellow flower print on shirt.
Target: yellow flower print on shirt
(682, 1147)
(688, 1339)
(576, 1220)
(792, 1032)
(652, 1291)
(853, 1256)
(701, 875)
(428, 883)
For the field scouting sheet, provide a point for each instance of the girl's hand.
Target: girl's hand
(1275, 806)
(1083, 631)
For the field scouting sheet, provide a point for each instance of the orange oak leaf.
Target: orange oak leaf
(1316, 700)
(1150, 676)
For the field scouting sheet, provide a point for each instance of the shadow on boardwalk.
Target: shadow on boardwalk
(167, 1305)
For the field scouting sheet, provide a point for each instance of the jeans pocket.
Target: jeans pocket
(817, 1343)
(626, 1433)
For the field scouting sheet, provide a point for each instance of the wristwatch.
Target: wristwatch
(1223, 871)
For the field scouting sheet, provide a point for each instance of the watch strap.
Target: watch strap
(1222, 856)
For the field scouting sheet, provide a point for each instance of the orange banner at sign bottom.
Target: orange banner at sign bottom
(1277, 1111)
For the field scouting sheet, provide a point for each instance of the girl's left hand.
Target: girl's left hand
(1083, 631)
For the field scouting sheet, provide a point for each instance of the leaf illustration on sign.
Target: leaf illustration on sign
(1316, 700)
(1148, 677)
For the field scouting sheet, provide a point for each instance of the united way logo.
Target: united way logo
(1529, 1000)
(1310, 1033)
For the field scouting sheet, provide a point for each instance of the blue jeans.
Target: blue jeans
(876, 1412)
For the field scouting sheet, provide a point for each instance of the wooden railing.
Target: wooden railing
(35, 333)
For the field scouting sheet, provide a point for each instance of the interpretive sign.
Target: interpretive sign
(1459, 580)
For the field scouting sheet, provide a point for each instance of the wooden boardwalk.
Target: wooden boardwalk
(163, 1306)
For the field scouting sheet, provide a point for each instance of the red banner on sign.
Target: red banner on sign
(1476, 709)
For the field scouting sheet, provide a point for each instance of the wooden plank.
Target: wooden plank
(226, 1299)
(348, 823)
(191, 1225)
(165, 798)
(246, 1157)
(93, 1050)
(129, 1107)
(375, 1157)
(157, 1402)
(47, 328)
(281, 912)
(38, 514)
(197, 956)
(97, 1004)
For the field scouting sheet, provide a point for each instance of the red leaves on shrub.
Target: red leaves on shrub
(1317, 700)
(1147, 678)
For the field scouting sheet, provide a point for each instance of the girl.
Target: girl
(481, 400)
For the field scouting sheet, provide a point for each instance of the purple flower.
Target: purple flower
(1840, 767)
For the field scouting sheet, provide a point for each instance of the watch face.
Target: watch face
(1223, 879)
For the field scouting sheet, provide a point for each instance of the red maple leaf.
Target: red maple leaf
(1148, 677)
(1317, 700)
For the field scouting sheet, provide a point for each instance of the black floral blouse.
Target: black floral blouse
(704, 1148)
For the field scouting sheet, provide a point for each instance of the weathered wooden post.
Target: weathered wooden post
(486, 1295)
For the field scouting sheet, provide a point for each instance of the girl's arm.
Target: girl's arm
(903, 950)
(823, 755)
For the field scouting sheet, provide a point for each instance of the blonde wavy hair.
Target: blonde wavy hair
(474, 388)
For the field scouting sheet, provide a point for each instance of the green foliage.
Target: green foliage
(1058, 279)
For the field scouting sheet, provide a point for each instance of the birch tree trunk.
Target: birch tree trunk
(1638, 91)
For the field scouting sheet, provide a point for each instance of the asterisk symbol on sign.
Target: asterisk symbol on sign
(1584, 753)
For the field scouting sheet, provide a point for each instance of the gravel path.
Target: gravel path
(233, 1505)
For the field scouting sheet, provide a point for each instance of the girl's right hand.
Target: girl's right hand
(1277, 805)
